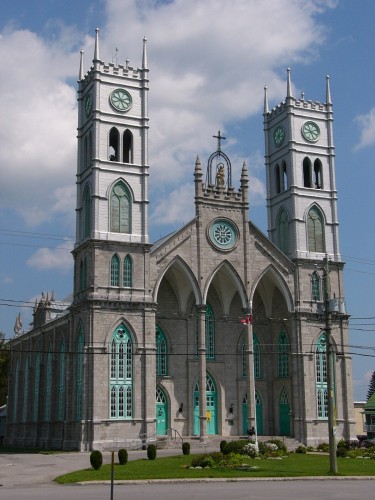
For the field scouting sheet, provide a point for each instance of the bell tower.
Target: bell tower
(112, 178)
(301, 185)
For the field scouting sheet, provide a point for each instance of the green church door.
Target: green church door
(259, 415)
(161, 413)
(284, 414)
(211, 407)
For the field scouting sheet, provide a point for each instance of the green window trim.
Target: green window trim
(79, 375)
(283, 356)
(161, 353)
(315, 231)
(47, 411)
(61, 396)
(36, 387)
(121, 374)
(257, 359)
(115, 270)
(120, 209)
(25, 388)
(210, 326)
(321, 377)
(128, 272)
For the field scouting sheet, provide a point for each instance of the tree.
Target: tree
(371, 386)
(4, 369)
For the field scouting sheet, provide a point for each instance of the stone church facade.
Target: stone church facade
(215, 328)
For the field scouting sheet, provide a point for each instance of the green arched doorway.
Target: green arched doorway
(259, 415)
(211, 407)
(161, 412)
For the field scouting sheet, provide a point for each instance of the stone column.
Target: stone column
(201, 312)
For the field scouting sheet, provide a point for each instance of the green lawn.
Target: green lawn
(294, 465)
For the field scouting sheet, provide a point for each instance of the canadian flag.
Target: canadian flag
(248, 320)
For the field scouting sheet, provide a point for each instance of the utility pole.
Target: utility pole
(330, 369)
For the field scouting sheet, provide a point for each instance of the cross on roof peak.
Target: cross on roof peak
(219, 138)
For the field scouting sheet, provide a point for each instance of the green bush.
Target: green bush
(222, 445)
(234, 447)
(96, 459)
(341, 451)
(151, 452)
(186, 448)
(122, 456)
(207, 460)
(324, 447)
(280, 444)
(300, 449)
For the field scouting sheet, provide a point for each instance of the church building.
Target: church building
(214, 329)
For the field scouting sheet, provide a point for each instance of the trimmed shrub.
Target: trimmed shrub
(234, 447)
(280, 444)
(300, 449)
(151, 452)
(324, 447)
(222, 445)
(207, 460)
(186, 448)
(122, 456)
(96, 459)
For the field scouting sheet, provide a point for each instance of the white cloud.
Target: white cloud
(209, 61)
(57, 259)
(367, 125)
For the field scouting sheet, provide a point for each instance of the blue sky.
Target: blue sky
(209, 61)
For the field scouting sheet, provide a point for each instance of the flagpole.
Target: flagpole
(251, 393)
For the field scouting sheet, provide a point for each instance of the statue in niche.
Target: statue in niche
(220, 176)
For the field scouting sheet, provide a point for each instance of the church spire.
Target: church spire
(96, 51)
(328, 91)
(265, 110)
(81, 73)
(144, 56)
(289, 84)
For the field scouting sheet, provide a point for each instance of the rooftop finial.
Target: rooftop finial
(328, 91)
(219, 137)
(144, 57)
(96, 51)
(265, 100)
(81, 65)
(289, 84)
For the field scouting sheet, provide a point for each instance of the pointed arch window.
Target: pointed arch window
(284, 177)
(47, 411)
(36, 387)
(61, 388)
(283, 356)
(315, 286)
(114, 145)
(315, 231)
(318, 177)
(115, 270)
(321, 377)
(127, 145)
(79, 375)
(283, 231)
(277, 179)
(120, 216)
(121, 374)
(86, 222)
(161, 353)
(26, 388)
(210, 332)
(307, 173)
(128, 272)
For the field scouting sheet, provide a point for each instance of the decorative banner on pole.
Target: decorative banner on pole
(248, 320)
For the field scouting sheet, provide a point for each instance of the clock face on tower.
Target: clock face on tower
(278, 136)
(223, 234)
(121, 99)
(310, 131)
